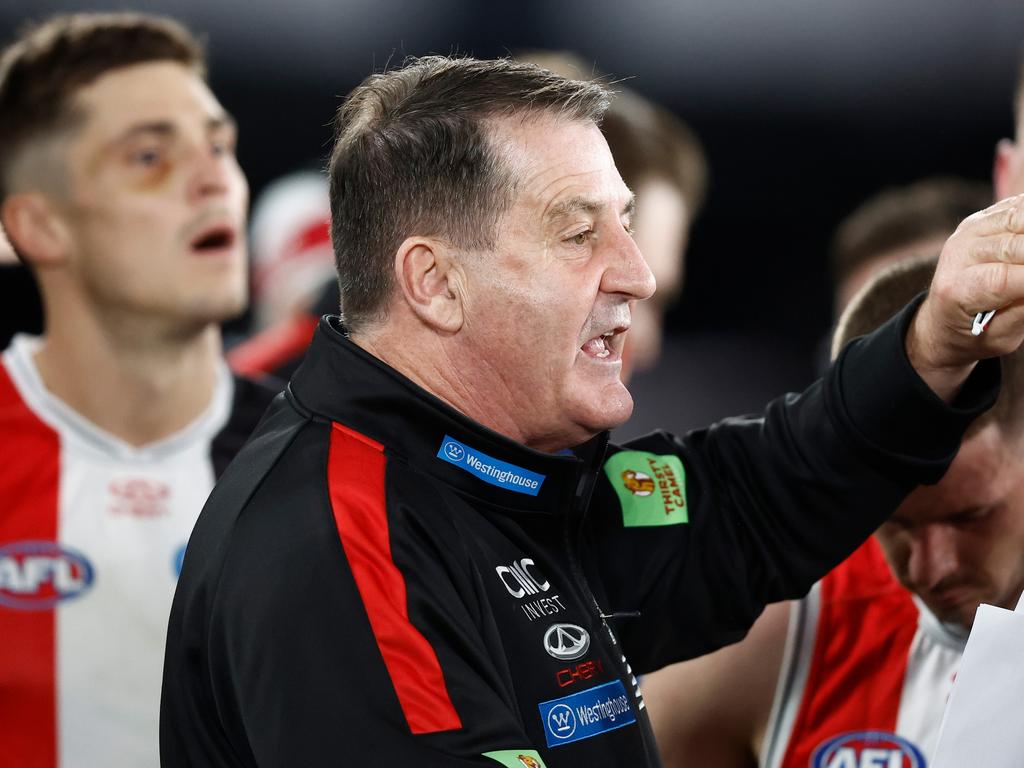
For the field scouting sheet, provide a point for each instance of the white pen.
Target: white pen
(980, 321)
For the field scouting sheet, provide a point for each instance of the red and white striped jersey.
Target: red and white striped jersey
(92, 533)
(866, 674)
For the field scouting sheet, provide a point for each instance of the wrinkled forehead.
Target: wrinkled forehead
(550, 158)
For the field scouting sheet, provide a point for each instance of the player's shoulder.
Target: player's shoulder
(22, 419)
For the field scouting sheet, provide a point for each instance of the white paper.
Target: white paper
(983, 726)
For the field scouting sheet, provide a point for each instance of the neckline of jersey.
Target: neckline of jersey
(67, 422)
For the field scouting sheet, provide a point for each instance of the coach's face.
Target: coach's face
(960, 543)
(549, 307)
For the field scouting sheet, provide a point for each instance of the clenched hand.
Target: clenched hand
(981, 268)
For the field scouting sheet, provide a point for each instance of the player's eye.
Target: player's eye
(222, 147)
(147, 157)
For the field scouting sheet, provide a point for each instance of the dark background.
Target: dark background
(804, 107)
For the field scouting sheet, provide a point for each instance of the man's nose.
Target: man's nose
(628, 272)
(211, 173)
(933, 557)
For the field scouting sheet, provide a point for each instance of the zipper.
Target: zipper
(581, 503)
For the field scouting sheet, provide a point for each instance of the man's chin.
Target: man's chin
(959, 619)
(219, 308)
(609, 409)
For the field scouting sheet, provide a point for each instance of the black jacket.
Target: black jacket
(378, 580)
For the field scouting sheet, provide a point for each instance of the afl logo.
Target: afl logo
(867, 749)
(638, 483)
(35, 575)
(454, 451)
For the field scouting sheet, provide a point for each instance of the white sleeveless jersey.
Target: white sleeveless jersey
(866, 674)
(92, 533)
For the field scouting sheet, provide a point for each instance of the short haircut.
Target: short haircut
(646, 140)
(413, 156)
(898, 217)
(41, 72)
(891, 290)
(882, 297)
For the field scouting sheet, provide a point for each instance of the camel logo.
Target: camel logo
(651, 488)
(637, 483)
(517, 758)
(566, 642)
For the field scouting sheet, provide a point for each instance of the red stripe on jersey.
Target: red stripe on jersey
(866, 625)
(270, 349)
(29, 479)
(355, 476)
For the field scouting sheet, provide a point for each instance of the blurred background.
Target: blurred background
(804, 109)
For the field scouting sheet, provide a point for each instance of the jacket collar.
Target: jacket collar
(341, 382)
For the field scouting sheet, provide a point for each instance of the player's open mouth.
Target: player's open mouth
(214, 239)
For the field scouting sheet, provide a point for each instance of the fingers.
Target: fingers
(988, 286)
(1009, 318)
(1005, 216)
(1005, 247)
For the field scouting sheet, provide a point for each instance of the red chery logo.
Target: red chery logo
(585, 670)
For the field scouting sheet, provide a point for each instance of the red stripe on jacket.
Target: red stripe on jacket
(866, 625)
(29, 481)
(355, 475)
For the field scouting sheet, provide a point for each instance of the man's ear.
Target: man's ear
(432, 282)
(1004, 168)
(35, 229)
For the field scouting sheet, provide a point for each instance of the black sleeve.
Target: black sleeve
(771, 502)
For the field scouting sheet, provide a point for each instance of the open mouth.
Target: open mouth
(607, 346)
(213, 239)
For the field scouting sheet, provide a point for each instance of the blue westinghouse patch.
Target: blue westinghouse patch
(489, 469)
(587, 713)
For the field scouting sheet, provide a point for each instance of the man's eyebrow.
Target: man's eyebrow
(157, 127)
(166, 128)
(569, 206)
(222, 121)
(565, 208)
